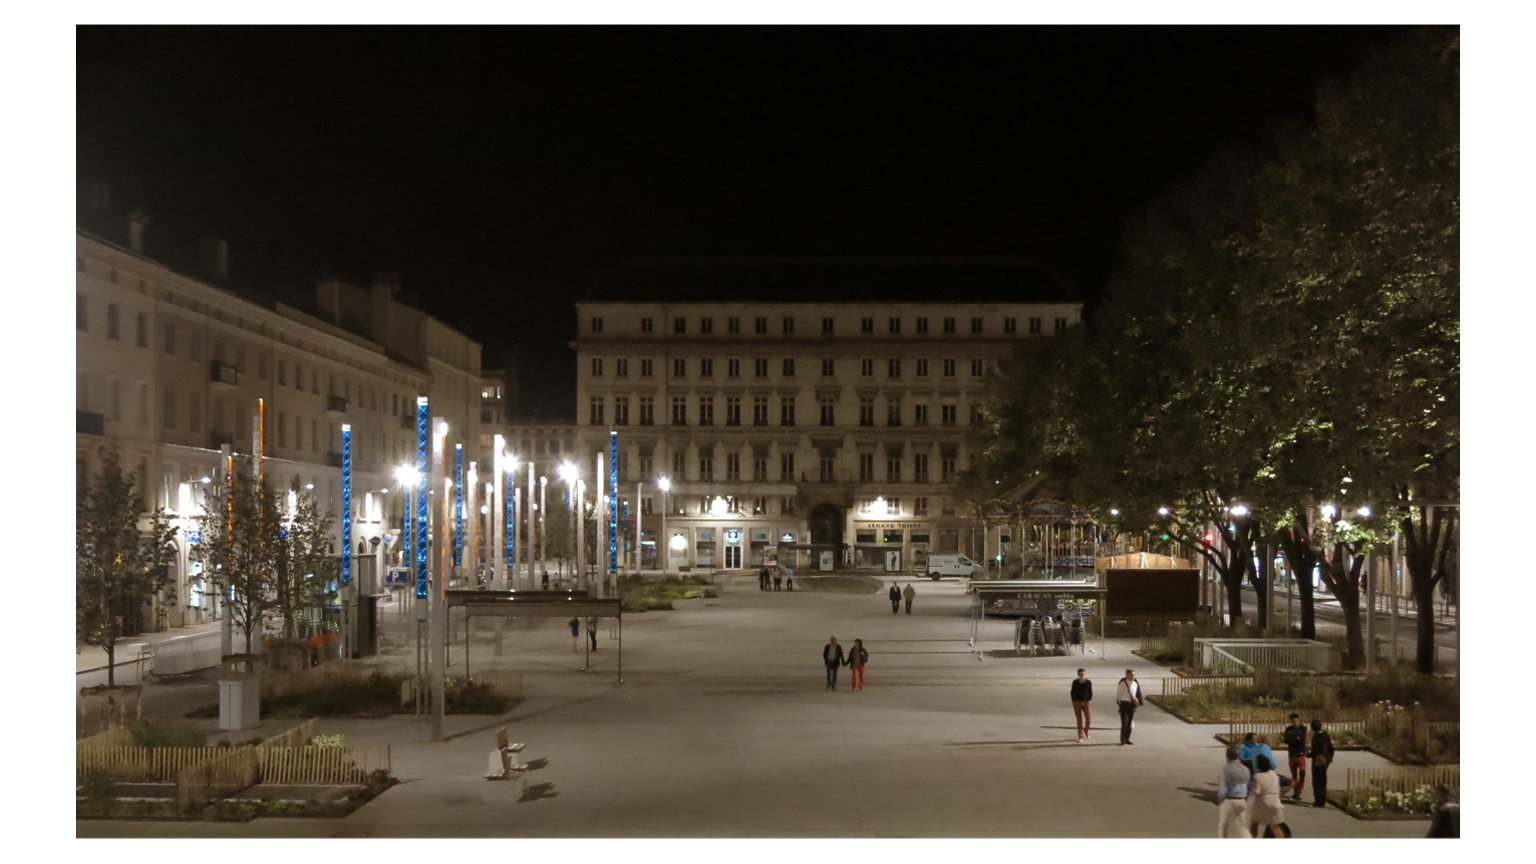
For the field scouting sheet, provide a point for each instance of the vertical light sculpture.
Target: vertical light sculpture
(346, 503)
(420, 544)
(533, 515)
(494, 523)
(543, 537)
(508, 545)
(458, 505)
(613, 503)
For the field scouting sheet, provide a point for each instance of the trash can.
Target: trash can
(240, 702)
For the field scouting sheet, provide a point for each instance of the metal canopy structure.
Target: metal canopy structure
(538, 604)
(1034, 592)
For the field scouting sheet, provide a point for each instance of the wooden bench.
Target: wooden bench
(502, 764)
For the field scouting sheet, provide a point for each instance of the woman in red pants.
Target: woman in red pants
(857, 657)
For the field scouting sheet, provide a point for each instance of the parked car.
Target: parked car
(953, 564)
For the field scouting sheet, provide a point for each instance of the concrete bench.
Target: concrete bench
(502, 764)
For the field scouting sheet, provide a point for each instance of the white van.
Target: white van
(953, 564)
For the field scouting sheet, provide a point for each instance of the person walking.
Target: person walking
(908, 595)
(778, 579)
(857, 659)
(832, 656)
(546, 580)
(1445, 821)
(592, 632)
(895, 597)
(1295, 738)
(1128, 698)
(1232, 798)
(762, 579)
(1082, 705)
(575, 633)
(1264, 805)
(1322, 757)
(789, 579)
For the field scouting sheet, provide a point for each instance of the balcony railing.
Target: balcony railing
(90, 423)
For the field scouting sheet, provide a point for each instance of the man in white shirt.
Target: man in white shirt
(1128, 697)
(1232, 797)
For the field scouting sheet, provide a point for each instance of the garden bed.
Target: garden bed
(373, 696)
(658, 595)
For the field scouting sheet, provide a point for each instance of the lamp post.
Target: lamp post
(664, 542)
(499, 467)
(567, 472)
(510, 514)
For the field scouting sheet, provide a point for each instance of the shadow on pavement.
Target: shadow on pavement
(1208, 795)
(539, 791)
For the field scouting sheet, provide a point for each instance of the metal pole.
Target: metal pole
(516, 495)
(581, 540)
(534, 513)
(621, 647)
(1392, 622)
(437, 623)
(664, 542)
(498, 472)
(543, 536)
(1370, 614)
(639, 547)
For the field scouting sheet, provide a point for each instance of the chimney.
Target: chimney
(136, 223)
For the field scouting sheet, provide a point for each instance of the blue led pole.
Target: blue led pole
(613, 502)
(511, 529)
(346, 503)
(421, 497)
(458, 505)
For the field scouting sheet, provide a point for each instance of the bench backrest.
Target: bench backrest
(501, 738)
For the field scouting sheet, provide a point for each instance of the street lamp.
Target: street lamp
(664, 543)
(1240, 510)
(1329, 511)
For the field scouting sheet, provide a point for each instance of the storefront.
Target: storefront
(900, 546)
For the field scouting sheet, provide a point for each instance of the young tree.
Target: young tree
(305, 563)
(241, 526)
(121, 556)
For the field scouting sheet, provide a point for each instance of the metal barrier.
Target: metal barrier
(1180, 686)
(184, 654)
(1246, 655)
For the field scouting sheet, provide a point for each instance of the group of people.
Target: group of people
(1251, 792)
(896, 595)
(856, 658)
(770, 578)
(1127, 699)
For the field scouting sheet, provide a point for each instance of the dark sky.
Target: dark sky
(498, 170)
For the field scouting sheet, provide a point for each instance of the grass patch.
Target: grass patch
(656, 595)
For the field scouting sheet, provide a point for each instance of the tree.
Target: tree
(241, 526)
(305, 563)
(122, 558)
(559, 535)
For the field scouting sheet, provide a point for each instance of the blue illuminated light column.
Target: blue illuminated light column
(511, 526)
(420, 546)
(613, 502)
(346, 503)
(458, 505)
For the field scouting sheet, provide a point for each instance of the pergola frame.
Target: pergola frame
(538, 604)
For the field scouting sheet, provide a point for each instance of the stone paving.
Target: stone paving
(723, 728)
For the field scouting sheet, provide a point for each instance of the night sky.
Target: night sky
(500, 170)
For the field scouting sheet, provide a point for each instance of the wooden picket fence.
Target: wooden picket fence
(503, 683)
(1181, 686)
(1240, 722)
(330, 766)
(140, 764)
(296, 737)
(1361, 784)
(228, 772)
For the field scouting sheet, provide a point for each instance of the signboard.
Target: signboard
(397, 577)
(770, 556)
(1153, 591)
(826, 560)
(895, 524)
(195, 535)
(892, 560)
(733, 535)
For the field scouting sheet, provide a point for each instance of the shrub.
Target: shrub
(474, 699)
(98, 786)
(170, 733)
(326, 741)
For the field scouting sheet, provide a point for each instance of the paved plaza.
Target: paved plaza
(723, 728)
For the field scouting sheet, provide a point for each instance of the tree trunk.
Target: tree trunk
(1302, 561)
(1424, 631)
(1341, 573)
(1354, 656)
(111, 653)
(1257, 576)
(1420, 543)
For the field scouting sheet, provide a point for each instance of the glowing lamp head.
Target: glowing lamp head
(407, 476)
(1240, 510)
(204, 480)
(309, 485)
(1329, 511)
(1114, 511)
(1162, 511)
(662, 483)
(678, 542)
(1365, 512)
(567, 472)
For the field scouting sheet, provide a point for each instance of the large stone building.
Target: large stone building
(169, 368)
(825, 433)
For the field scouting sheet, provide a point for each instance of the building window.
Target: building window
(789, 326)
(298, 377)
(827, 405)
(646, 369)
(788, 370)
(759, 469)
(169, 421)
(1034, 326)
(919, 467)
(759, 506)
(894, 327)
(679, 325)
(282, 429)
(893, 470)
(947, 470)
(760, 367)
(170, 339)
(141, 331)
(893, 412)
(922, 368)
(112, 322)
(647, 411)
(677, 468)
(867, 367)
(646, 325)
(786, 410)
(597, 325)
(679, 411)
(949, 326)
(645, 503)
(975, 413)
(621, 410)
(595, 413)
(143, 404)
(922, 325)
(866, 467)
(733, 368)
(621, 368)
(733, 325)
(706, 367)
(975, 326)
(866, 326)
(787, 467)
(949, 368)
(827, 326)
(893, 368)
(1061, 325)
(760, 325)
(733, 410)
(80, 317)
(733, 466)
(920, 505)
(920, 414)
(597, 367)
(946, 506)
(978, 368)
(706, 469)
(706, 325)
(679, 368)
(194, 414)
(706, 410)
(827, 369)
(892, 508)
(1010, 325)
(759, 410)
(827, 472)
(947, 415)
(866, 410)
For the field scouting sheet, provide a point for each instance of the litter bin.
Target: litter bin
(240, 702)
